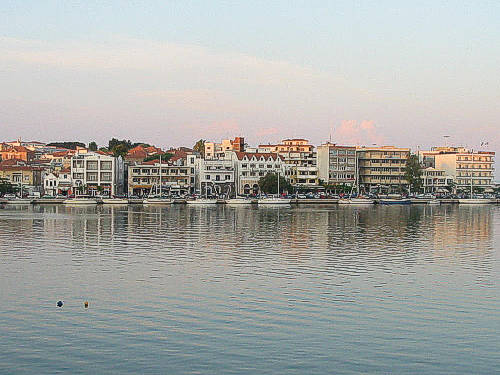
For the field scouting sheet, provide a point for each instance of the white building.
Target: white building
(436, 181)
(97, 173)
(250, 167)
(215, 176)
(57, 183)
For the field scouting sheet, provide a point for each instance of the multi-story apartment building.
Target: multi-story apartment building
(467, 167)
(177, 177)
(337, 164)
(251, 167)
(382, 168)
(300, 160)
(97, 173)
(216, 176)
(216, 150)
(436, 181)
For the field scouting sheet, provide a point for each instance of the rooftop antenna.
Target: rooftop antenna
(446, 140)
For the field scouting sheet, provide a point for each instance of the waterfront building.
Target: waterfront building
(336, 164)
(21, 174)
(216, 176)
(463, 165)
(57, 182)
(300, 159)
(139, 153)
(436, 181)
(217, 150)
(382, 168)
(96, 173)
(250, 167)
(177, 176)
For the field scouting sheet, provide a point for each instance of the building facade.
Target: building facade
(382, 168)
(436, 181)
(216, 150)
(251, 167)
(177, 177)
(299, 158)
(337, 164)
(57, 183)
(96, 173)
(467, 167)
(215, 176)
(23, 176)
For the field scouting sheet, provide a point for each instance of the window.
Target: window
(136, 170)
(227, 177)
(217, 178)
(207, 177)
(92, 165)
(106, 176)
(91, 176)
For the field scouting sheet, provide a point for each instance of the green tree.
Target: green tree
(113, 142)
(119, 150)
(413, 172)
(200, 147)
(269, 184)
(93, 146)
(6, 187)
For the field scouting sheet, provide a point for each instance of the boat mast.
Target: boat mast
(161, 190)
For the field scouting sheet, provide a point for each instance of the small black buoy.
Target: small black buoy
(86, 304)
(59, 303)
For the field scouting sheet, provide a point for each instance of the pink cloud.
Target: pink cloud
(353, 133)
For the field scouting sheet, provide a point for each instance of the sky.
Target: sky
(171, 72)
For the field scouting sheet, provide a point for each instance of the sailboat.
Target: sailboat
(275, 200)
(358, 200)
(473, 200)
(159, 198)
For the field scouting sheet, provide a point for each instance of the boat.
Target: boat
(19, 201)
(274, 200)
(359, 201)
(114, 201)
(202, 201)
(475, 201)
(434, 202)
(81, 201)
(238, 201)
(394, 201)
(157, 200)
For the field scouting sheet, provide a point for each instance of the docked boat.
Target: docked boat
(359, 201)
(157, 200)
(395, 201)
(238, 201)
(80, 201)
(475, 201)
(434, 202)
(274, 201)
(202, 201)
(20, 201)
(114, 201)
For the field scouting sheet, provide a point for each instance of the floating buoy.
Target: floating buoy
(59, 303)
(86, 304)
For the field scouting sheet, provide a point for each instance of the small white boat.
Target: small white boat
(202, 201)
(157, 200)
(19, 201)
(114, 201)
(434, 202)
(475, 201)
(359, 201)
(274, 201)
(238, 201)
(80, 201)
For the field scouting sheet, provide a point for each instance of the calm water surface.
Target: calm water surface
(222, 290)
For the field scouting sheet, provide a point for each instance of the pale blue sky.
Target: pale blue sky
(172, 71)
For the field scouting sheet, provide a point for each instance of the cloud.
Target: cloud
(363, 133)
